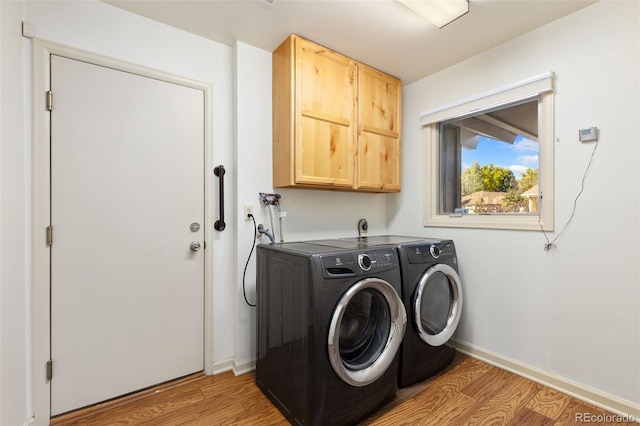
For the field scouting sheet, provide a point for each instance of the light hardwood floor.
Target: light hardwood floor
(469, 392)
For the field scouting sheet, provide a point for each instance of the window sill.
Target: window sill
(489, 221)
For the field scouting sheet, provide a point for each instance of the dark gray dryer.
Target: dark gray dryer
(330, 322)
(432, 294)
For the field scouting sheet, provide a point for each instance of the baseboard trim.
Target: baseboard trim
(223, 366)
(584, 393)
(243, 367)
(231, 364)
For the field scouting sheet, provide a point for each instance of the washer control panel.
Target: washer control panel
(378, 259)
(359, 262)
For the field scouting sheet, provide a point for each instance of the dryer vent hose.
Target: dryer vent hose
(262, 230)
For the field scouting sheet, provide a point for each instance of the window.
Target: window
(489, 159)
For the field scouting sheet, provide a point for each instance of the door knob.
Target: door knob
(195, 246)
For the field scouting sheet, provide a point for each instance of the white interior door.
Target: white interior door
(127, 181)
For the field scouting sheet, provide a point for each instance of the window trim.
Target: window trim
(541, 86)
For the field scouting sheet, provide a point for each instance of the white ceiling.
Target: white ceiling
(381, 33)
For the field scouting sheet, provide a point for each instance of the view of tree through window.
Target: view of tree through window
(494, 159)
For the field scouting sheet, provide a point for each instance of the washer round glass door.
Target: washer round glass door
(366, 330)
(437, 304)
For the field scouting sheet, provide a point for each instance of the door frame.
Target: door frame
(41, 300)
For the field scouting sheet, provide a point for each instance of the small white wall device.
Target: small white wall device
(588, 134)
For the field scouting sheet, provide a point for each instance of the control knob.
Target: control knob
(364, 261)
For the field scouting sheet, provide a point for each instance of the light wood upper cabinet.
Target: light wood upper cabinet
(322, 136)
(379, 130)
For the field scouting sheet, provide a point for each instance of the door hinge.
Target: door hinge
(49, 370)
(49, 100)
(49, 235)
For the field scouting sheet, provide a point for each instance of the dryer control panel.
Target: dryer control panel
(429, 252)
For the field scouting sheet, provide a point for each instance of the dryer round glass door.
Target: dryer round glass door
(367, 327)
(437, 304)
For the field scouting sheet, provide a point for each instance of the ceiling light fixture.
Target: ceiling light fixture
(438, 12)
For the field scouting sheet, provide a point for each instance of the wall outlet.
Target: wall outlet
(248, 210)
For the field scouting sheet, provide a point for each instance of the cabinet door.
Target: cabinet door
(325, 116)
(379, 131)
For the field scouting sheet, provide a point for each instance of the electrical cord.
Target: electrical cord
(551, 244)
(244, 274)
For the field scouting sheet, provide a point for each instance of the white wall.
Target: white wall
(253, 165)
(112, 32)
(105, 30)
(541, 308)
(573, 311)
(241, 110)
